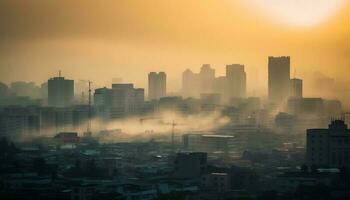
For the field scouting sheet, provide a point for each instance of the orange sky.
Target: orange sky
(98, 40)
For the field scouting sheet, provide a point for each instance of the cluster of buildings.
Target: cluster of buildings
(61, 103)
(233, 85)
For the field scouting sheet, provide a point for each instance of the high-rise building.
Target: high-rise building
(278, 79)
(329, 147)
(296, 88)
(103, 97)
(193, 84)
(60, 92)
(156, 85)
(207, 77)
(103, 102)
(81, 90)
(236, 81)
(126, 100)
(29, 89)
(190, 84)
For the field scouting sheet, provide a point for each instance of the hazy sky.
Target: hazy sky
(99, 40)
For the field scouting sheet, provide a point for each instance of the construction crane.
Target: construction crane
(173, 125)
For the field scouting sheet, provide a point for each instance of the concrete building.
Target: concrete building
(190, 83)
(210, 101)
(193, 84)
(126, 100)
(207, 77)
(190, 165)
(296, 88)
(19, 122)
(278, 79)
(156, 85)
(220, 87)
(103, 102)
(236, 81)
(207, 143)
(103, 97)
(306, 106)
(28, 89)
(60, 92)
(219, 182)
(329, 147)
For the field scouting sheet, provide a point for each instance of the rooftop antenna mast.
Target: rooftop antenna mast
(59, 73)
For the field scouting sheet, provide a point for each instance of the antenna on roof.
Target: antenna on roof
(59, 73)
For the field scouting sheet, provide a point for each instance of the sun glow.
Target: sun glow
(300, 12)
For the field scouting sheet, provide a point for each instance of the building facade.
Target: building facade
(296, 88)
(278, 79)
(126, 100)
(156, 85)
(236, 81)
(60, 92)
(329, 147)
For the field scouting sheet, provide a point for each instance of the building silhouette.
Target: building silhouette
(193, 84)
(156, 85)
(60, 92)
(329, 147)
(296, 88)
(278, 79)
(207, 77)
(236, 81)
(126, 100)
(190, 84)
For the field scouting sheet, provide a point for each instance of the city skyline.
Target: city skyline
(41, 49)
(174, 99)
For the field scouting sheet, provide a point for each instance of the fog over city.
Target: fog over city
(173, 100)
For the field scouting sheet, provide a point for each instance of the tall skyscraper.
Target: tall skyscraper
(296, 88)
(236, 81)
(278, 79)
(156, 85)
(60, 92)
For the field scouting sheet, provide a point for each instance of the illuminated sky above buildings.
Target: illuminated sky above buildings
(100, 40)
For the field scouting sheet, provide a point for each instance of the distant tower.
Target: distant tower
(156, 85)
(236, 81)
(190, 83)
(88, 131)
(126, 100)
(60, 91)
(296, 88)
(278, 79)
(207, 77)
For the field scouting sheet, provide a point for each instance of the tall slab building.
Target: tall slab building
(236, 81)
(60, 92)
(278, 79)
(126, 100)
(156, 85)
(296, 88)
